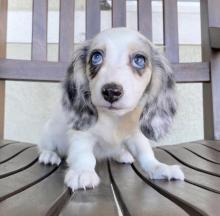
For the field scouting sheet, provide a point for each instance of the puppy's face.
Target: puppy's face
(115, 72)
(118, 69)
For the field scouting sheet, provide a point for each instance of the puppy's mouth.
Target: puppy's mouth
(111, 107)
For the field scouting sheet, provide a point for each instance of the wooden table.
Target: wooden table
(28, 188)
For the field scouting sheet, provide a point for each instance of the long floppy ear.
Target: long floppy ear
(159, 99)
(76, 99)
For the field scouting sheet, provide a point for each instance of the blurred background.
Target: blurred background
(30, 104)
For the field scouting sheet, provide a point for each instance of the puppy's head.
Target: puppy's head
(116, 72)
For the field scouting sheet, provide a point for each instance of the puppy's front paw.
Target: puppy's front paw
(49, 157)
(124, 157)
(81, 180)
(164, 171)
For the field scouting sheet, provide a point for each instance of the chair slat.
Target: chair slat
(92, 18)
(118, 13)
(51, 71)
(66, 34)
(144, 9)
(170, 23)
(39, 31)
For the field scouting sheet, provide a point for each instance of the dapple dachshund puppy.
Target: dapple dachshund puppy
(118, 94)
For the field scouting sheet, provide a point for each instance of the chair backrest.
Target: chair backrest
(39, 69)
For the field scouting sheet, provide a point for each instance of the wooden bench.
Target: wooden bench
(28, 188)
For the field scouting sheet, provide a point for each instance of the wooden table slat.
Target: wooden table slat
(193, 161)
(10, 151)
(23, 160)
(213, 144)
(195, 200)
(195, 177)
(40, 189)
(204, 152)
(4, 143)
(99, 201)
(140, 198)
(14, 184)
(38, 199)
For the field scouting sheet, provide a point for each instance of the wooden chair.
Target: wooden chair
(27, 188)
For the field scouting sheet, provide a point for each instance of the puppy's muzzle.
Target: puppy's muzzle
(112, 92)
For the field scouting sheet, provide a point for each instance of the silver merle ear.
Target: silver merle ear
(76, 93)
(160, 101)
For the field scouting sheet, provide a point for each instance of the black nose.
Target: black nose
(112, 92)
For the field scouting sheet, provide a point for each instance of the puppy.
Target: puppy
(118, 94)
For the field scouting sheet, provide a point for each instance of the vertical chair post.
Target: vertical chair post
(211, 91)
(214, 21)
(3, 36)
(207, 88)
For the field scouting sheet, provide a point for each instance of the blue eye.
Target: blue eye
(139, 61)
(96, 58)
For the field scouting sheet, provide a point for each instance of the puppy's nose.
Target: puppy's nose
(112, 92)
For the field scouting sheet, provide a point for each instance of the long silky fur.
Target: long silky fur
(76, 93)
(160, 101)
